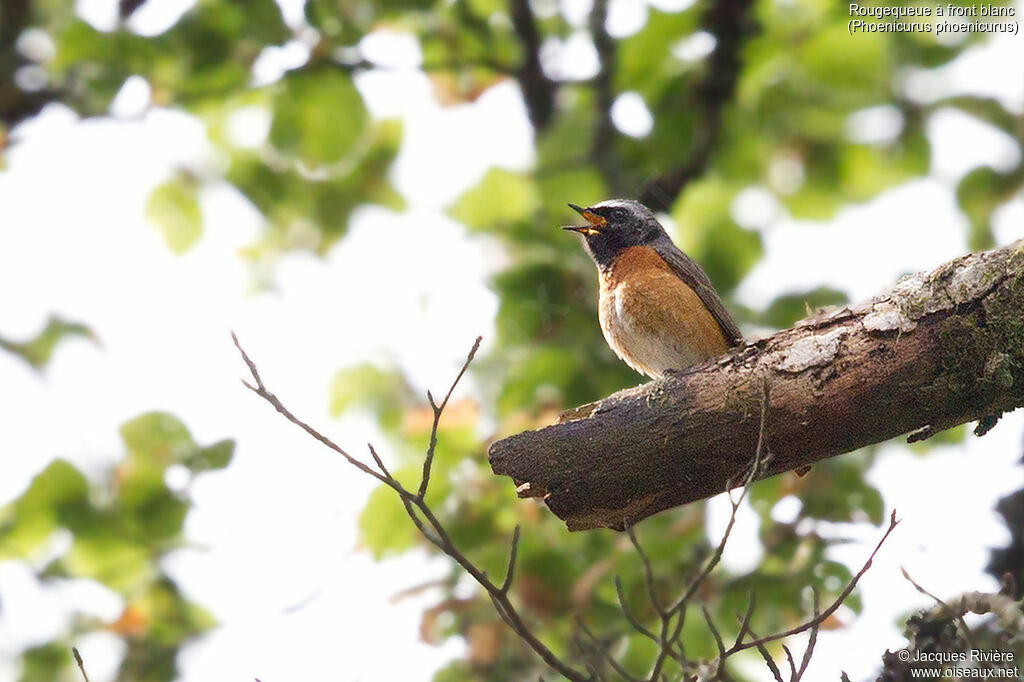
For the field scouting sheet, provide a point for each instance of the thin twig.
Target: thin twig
(652, 593)
(377, 459)
(714, 633)
(672, 617)
(809, 651)
(745, 619)
(792, 662)
(832, 608)
(510, 570)
(78, 660)
(422, 515)
(961, 623)
(261, 390)
(628, 613)
(603, 650)
(730, 22)
(679, 606)
(768, 660)
(438, 409)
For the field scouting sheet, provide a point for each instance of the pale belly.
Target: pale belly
(666, 338)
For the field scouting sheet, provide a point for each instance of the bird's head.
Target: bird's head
(614, 225)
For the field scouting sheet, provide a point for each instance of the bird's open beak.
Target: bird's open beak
(595, 221)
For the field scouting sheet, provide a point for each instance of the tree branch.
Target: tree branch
(16, 104)
(538, 89)
(667, 640)
(602, 145)
(940, 349)
(730, 23)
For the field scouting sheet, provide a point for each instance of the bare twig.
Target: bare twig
(510, 570)
(438, 409)
(768, 660)
(790, 660)
(78, 660)
(714, 633)
(819, 618)
(628, 613)
(958, 616)
(377, 459)
(809, 651)
(671, 617)
(423, 517)
(670, 635)
(674, 617)
(261, 390)
(745, 619)
(652, 593)
(730, 23)
(600, 648)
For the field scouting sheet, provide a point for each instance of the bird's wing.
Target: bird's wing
(687, 270)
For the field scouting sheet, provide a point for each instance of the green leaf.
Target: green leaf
(583, 186)
(144, 501)
(384, 392)
(866, 170)
(173, 208)
(57, 496)
(861, 68)
(173, 619)
(708, 233)
(46, 663)
(212, 457)
(385, 528)
(788, 308)
(102, 552)
(835, 490)
(38, 351)
(979, 193)
(318, 116)
(292, 200)
(501, 197)
(158, 437)
(645, 59)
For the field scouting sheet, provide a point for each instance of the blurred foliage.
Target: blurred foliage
(789, 127)
(174, 208)
(37, 351)
(113, 530)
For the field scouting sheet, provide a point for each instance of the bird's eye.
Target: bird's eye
(619, 213)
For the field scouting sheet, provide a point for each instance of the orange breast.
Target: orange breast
(652, 319)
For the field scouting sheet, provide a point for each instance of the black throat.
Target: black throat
(604, 249)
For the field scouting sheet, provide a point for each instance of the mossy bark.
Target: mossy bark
(939, 349)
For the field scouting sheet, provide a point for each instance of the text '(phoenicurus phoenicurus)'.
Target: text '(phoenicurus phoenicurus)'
(658, 309)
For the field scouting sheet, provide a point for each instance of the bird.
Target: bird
(658, 310)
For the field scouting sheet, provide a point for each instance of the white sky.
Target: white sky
(273, 538)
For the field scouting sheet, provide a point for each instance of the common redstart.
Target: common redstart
(658, 309)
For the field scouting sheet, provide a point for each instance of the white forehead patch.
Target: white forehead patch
(613, 202)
